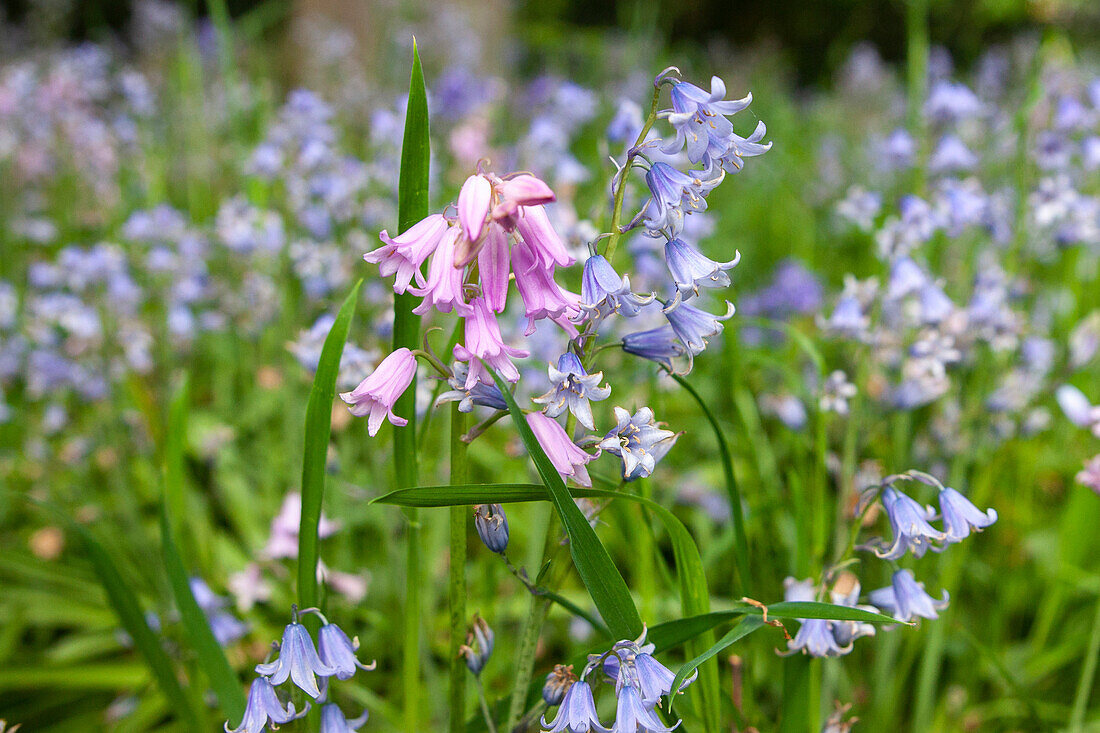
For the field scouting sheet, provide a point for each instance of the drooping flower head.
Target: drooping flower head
(909, 522)
(906, 599)
(960, 516)
(333, 720)
(338, 652)
(573, 388)
(377, 394)
(577, 712)
(492, 526)
(604, 292)
(691, 269)
(567, 458)
(639, 440)
(264, 707)
(297, 661)
(479, 645)
(403, 255)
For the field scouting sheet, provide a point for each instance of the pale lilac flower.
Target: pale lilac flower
(1077, 407)
(333, 720)
(577, 713)
(377, 394)
(263, 706)
(639, 440)
(336, 650)
(694, 326)
(675, 194)
(403, 255)
(951, 154)
(473, 205)
(655, 679)
(786, 407)
(536, 230)
(286, 525)
(604, 292)
(959, 516)
(443, 289)
(492, 526)
(494, 267)
(860, 207)
(700, 120)
(906, 599)
(950, 101)
(848, 317)
(691, 269)
(297, 661)
(935, 306)
(485, 344)
(542, 297)
(909, 522)
(567, 458)
(573, 388)
(249, 587)
(906, 278)
(1089, 476)
(632, 715)
(836, 392)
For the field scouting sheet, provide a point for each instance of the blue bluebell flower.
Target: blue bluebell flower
(479, 394)
(639, 441)
(573, 388)
(906, 278)
(951, 154)
(633, 715)
(479, 645)
(492, 526)
(656, 344)
(845, 592)
(298, 661)
(675, 194)
(906, 599)
(848, 317)
(960, 515)
(733, 160)
(558, 683)
(263, 706)
(692, 325)
(577, 713)
(815, 636)
(700, 119)
(691, 269)
(909, 522)
(333, 720)
(604, 292)
(336, 650)
(935, 306)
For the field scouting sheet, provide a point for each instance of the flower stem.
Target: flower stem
(485, 706)
(620, 192)
(457, 584)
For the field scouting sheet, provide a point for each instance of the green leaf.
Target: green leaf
(318, 429)
(461, 494)
(211, 656)
(597, 571)
(126, 605)
(738, 632)
(412, 206)
(740, 546)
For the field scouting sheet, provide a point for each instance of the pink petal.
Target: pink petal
(473, 205)
(526, 190)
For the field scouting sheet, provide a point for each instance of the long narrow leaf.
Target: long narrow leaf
(597, 571)
(318, 430)
(211, 656)
(740, 631)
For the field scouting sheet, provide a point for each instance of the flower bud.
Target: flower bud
(558, 683)
(492, 526)
(479, 644)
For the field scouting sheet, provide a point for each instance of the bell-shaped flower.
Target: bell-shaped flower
(492, 526)
(675, 194)
(604, 292)
(567, 458)
(443, 289)
(377, 394)
(639, 441)
(542, 297)
(297, 661)
(485, 344)
(699, 119)
(263, 706)
(494, 267)
(733, 159)
(536, 230)
(906, 599)
(657, 344)
(473, 205)
(691, 269)
(906, 278)
(573, 388)
(577, 713)
(960, 516)
(694, 326)
(815, 636)
(935, 306)
(633, 715)
(655, 679)
(333, 720)
(525, 190)
(338, 651)
(909, 522)
(479, 393)
(403, 255)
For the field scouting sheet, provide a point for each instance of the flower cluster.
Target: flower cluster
(639, 681)
(302, 663)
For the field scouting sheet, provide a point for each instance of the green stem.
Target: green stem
(484, 706)
(457, 585)
(620, 192)
(1088, 674)
(820, 481)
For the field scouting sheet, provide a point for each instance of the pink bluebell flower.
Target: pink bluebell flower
(542, 297)
(535, 229)
(377, 394)
(403, 255)
(443, 289)
(567, 458)
(485, 344)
